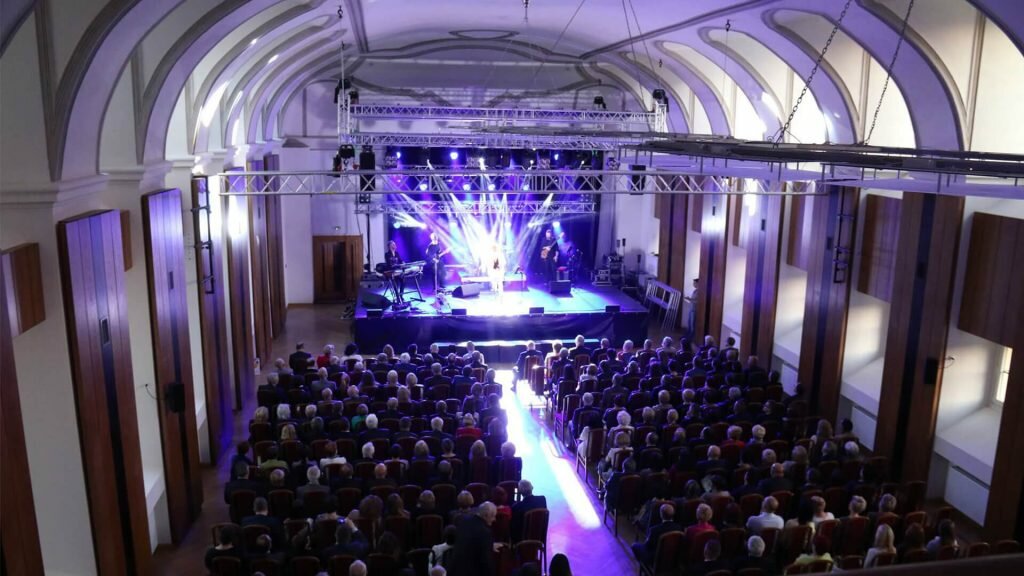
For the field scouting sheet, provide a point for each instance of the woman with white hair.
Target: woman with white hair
(284, 412)
(624, 420)
(392, 378)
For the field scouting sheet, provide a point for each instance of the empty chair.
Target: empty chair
(667, 556)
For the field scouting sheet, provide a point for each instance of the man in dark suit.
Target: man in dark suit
(519, 509)
(776, 482)
(755, 557)
(347, 542)
(261, 517)
(616, 389)
(583, 414)
(466, 378)
(436, 377)
(474, 551)
(373, 432)
(645, 551)
(713, 462)
(300, 360)
(242, 482)
(579, 348)
(530, 352)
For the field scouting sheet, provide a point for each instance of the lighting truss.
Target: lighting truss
(479, 207)
(494, 140)
(516, 181)
(628, 120)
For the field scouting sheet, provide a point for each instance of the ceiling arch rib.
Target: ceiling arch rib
(1008, 15)
(87, 85)
(762, 95)
(930, 102)
(277, 35)
(828, 87)
(715, 103)
(176, 70)
(300, 35)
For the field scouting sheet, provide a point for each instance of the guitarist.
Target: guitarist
(549, 254)
(434, 254)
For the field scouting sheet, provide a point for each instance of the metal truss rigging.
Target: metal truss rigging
(504, 182)
(628, 120)
(495, 140)
(479, 207)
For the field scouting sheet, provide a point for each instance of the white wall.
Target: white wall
(735, 279)
(635, 221)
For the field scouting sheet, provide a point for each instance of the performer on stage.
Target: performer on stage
(392, 259)
(549, 254)
(435, 264)
(494, 264)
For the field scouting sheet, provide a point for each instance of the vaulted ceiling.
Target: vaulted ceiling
(170, 68)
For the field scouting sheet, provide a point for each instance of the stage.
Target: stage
(507, 318)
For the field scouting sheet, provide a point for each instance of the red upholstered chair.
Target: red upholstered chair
(348, 499)
(819, 566)
(667, 556)
(429, 530)
(563, 415)
(444, 496)
(946, 553)
(854, 535)
(535, 527)
(401, 527)
(241, 504)
(696, 549)
(628, 500)
(796, 539)
(750, 505)
(339, 564)
(885, 559)
(527, 551)
(227, 566)
(381, 565)
(216, 528)
(733, 542)
(304, 566)
(251, 532)
(480, 491)
(853, 562)
(795, 569)
(1006, 547)
(268, 566)
(410, 495)
(915, 556)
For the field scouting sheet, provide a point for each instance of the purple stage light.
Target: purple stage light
(399, 155)
(423, 187)
(453, 155)
(556, 156)
(397, 225)
(490, 187)
(526, 187)
(466, 187)
(556, 224)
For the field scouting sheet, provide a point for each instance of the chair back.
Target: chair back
(795, 569)
(851, 562)
(480, 491)
(854, 536)
(668, 554)
(348, 499)
(251, 532)
(410, 494)
(216, 528)
(947, 552)
(1007, 547)
(785, 500)
(696, 553)
(304, 566)
(819, 566)
(529, 551)
(479, 469)
(323, 533)
(885, 559)
(226, 566)
(401, 527)
(381, 565)
(268, 566)
(733, 542)
(339, 564)
(420, 471)
(915, 556)
(796, 538)
(241, 504)
(444, 496)
(429, 530)
(750, 505)
(535, 525)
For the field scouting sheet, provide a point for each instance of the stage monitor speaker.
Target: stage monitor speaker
(467, 290)
(536, 310)
(612, 309)
(560, 287)
(371, 300)
(458, 311)
(174, 397)
(374, 313)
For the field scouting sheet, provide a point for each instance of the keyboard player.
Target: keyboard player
(392, 259)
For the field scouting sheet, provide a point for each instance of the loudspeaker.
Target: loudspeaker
(458, 311)
(931, 371)
(371, 300)
(638, 182)
(174, 397)
(612, 309)
(367, 161)
(467, 290)
(560, 287)
(374, 313)
(537, 310)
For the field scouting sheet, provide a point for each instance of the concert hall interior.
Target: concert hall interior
(511, 287)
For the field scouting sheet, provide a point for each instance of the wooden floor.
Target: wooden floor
(575, 527)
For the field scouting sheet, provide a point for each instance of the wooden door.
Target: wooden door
(19, 533)
(165, 268)
(92, 281)
(337, 268)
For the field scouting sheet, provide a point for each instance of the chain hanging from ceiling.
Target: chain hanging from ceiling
(888, 71)
(781, 133)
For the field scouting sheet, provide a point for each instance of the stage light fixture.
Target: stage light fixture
(453, 155)
(599, 103)
(466, 187)
(526, 187)
(397, 225)
(490, 187)
(556, 156)
(423, 187)
(557, 225)
(398, 154)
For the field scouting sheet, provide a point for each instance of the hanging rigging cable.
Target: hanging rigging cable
(780, 134)
(557, 40)
(888, 71)
(632, 49)
(725, 56)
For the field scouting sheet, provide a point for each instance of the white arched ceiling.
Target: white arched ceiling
(89, 43)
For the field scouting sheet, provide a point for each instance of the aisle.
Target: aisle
(575, 522)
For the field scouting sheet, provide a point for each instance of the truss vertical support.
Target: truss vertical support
(660, 117)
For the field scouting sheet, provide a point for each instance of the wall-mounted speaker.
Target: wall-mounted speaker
(174, 397)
